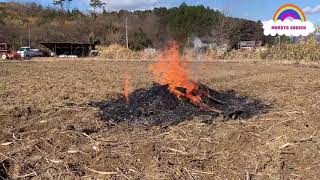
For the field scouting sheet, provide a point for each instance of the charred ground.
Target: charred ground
(157, 106)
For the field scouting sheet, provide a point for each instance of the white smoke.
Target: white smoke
(197, 43)
(288, 28)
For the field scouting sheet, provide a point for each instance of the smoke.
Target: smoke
(197, 43)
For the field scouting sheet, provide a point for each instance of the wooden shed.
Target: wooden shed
(69, 48)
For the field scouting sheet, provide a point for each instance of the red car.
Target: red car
(5, 53)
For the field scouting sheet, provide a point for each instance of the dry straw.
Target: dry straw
(116, 51)
(308, 50)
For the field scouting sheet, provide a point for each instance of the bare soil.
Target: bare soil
(51, 130)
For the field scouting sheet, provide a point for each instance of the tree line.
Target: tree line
(149, 28)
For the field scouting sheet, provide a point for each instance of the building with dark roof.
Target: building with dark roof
(69, 48)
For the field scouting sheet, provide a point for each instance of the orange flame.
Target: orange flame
(170, 69)
(126, 87)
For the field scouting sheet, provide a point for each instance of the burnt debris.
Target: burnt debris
(157, 106)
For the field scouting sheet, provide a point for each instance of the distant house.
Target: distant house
(205, 43)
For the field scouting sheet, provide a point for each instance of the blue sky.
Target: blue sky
(249, 9)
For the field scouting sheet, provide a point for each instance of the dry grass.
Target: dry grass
(309, 50)
(49, 131)
(116, 51)
(120, 53)
(303, 51)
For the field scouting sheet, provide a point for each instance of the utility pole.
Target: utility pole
(127, 40)
(279, 41)
(279, 45)
(29, 35)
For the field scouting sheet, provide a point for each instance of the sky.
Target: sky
(249, 9)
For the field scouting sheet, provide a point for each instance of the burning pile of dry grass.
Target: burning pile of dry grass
(175, 97)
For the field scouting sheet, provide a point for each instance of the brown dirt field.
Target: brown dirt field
(49, 132)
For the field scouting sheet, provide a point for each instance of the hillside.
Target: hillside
(151, 28)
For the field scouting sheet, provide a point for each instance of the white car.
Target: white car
(25, 52)
(36, 53)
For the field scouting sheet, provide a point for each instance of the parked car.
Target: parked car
(52, 54)
(36, 53)
(25, 52)
(6, 53)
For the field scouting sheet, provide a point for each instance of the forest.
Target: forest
(149, 28)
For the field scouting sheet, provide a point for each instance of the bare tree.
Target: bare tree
(96, 4)
(58, 2)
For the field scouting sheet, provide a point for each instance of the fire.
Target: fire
(171, 69)
(126, 87)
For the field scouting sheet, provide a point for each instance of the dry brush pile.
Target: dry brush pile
(118, 52)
